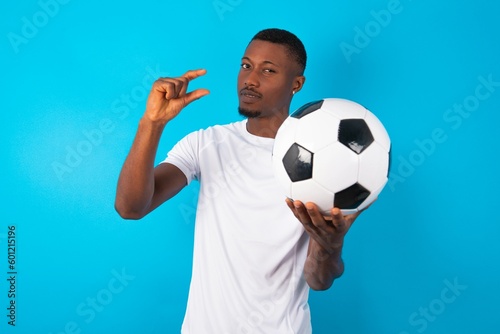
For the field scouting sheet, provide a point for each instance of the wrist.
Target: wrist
(326, 251)
(151, 124)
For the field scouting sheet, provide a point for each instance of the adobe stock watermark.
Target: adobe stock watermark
(420, 319)
(30, 26)
(405, 166)
(363, 36)
(92, 305)
(221, 7)
(76, 153)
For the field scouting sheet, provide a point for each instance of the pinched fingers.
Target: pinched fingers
(196, 94)
(193, 74)
(171, 88)
(174, 88)
(186, 78)
(169, 96)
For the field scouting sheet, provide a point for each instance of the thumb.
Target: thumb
(195, 95)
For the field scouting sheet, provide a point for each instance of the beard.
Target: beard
(249, 113)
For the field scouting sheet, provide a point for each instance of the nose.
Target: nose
(251, 78)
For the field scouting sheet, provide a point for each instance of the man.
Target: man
(253, 261)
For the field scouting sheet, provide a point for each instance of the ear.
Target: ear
(298, 82)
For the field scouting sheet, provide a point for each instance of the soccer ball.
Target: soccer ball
(332, 152)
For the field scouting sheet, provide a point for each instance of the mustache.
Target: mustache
(250, 91)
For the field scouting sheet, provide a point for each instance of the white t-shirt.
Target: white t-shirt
(249, 249)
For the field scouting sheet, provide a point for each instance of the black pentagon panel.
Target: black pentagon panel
(355, 134)
(307, 109)
(298, 163)
(351, 197)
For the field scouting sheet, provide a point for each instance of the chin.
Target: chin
(249, 113)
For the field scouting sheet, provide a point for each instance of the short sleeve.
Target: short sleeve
(184, 155)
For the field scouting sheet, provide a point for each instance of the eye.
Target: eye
(245, 66)
(269, 70)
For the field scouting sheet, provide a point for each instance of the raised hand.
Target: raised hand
(169, 96)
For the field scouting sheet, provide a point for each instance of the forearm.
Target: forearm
(136, 182)
(323, 266)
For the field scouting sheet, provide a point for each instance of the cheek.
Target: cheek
(280, 93)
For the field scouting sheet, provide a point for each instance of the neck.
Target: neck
(266, 126)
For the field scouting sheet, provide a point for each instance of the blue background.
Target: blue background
(74, 78)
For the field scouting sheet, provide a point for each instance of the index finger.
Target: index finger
(193, 74)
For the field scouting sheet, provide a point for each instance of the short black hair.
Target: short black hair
(294, 45)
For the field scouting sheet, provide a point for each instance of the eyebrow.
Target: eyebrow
(265, 61)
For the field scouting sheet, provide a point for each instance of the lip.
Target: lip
(249, 96)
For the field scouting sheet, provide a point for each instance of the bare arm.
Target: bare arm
(141, 186)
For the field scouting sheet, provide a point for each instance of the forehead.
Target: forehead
(262, 51)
